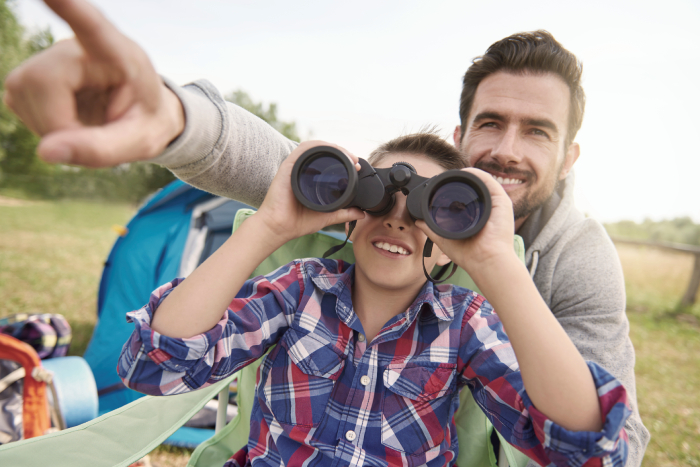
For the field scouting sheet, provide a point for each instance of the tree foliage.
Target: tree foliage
(678, 230)
(269, 113)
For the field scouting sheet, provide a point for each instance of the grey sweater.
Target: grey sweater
(230, 152)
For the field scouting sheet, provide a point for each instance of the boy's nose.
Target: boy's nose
(398, 218)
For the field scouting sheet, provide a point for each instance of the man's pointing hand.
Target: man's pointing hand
(96, 99)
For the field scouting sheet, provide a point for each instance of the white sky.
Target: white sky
(360, 73)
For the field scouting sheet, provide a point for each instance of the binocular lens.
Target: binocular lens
(323, 180)
(456, 207)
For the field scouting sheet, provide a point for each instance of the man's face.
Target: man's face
(516, 132)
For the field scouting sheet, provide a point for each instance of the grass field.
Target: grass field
(51, 256)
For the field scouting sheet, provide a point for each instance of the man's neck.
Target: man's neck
(520, 222)
(375, 305)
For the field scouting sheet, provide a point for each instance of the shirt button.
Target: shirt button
(350, 435)
(364, 380)
(361, 337)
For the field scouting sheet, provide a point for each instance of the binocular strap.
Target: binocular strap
(336, 248)
(427, 253)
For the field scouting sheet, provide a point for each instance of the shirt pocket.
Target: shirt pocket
(417, 406)
(301, 375)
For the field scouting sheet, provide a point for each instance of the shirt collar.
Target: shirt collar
(438, 299)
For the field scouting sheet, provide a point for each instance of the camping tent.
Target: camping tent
(169, 236)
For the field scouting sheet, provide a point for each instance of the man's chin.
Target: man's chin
(523, 208)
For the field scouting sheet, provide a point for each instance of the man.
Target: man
(97, 101)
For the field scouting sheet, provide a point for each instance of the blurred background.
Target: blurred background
(360, 74)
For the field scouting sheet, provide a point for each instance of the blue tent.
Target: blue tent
(169, 236)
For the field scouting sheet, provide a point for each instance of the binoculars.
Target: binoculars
(455, 204)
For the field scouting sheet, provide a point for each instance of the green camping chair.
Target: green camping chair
(123, 436)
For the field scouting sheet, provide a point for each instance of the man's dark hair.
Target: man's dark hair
(426, 143)
(527, 52)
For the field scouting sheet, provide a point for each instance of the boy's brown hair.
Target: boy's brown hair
(426, 143)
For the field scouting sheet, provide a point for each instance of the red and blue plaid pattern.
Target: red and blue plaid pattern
(325, 396)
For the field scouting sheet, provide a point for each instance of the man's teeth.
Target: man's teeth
(391, 248)
(507, 181)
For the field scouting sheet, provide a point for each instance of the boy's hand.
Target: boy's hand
(493, 243)
(95, 99)
(286, 217)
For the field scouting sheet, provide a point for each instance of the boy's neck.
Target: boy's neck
(375, 305)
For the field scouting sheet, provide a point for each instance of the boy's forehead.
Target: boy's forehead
(424, 165)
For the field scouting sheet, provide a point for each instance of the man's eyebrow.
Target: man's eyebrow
(489, 116)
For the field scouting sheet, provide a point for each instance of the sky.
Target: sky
(361, 73)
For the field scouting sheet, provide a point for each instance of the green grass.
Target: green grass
(667, 344)
(51, 257)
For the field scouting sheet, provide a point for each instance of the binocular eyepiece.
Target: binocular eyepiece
(454, 204)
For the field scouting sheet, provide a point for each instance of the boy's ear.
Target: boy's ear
(443, 259)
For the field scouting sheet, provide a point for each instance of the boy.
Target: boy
(371, 356)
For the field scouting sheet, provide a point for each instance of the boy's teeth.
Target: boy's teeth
(392, 248)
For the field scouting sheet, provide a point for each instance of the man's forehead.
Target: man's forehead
(523, 97)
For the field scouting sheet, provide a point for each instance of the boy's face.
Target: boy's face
(402, 268)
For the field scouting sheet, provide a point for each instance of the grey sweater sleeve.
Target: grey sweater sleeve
(223, 149)
(585, 290)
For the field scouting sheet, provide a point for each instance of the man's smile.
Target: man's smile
(507, 181)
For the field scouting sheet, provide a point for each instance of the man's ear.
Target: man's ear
(569, 159)
(457, 136)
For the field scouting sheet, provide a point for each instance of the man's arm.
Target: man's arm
(580, 279)
(223, 148)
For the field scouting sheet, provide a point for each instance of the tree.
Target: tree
(269, 114)
(17, 143)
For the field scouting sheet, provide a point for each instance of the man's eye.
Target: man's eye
(539, 132)
(488, 125)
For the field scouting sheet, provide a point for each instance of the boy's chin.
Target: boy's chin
(393, 281)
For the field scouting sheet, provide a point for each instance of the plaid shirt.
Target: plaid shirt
(325, 396)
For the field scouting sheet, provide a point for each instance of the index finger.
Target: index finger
(96, 34)
(306, 145)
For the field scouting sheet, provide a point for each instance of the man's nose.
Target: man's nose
(398, 218)
(507, 151)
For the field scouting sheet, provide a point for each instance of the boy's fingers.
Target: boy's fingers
(96, 34)
(346, 215)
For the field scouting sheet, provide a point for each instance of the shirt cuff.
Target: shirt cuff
(610, 444)
(170, 353)
(204, 126)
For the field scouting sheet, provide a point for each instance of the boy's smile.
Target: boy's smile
(391, 247)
